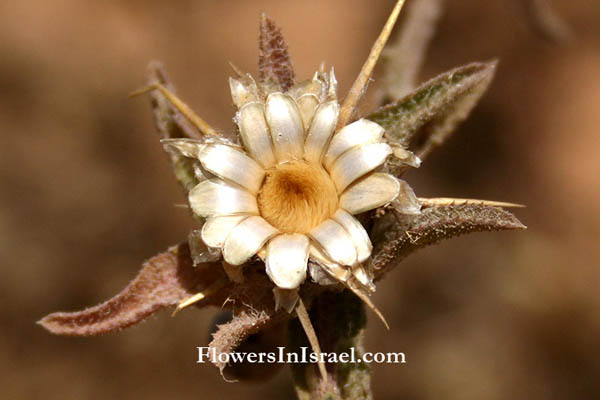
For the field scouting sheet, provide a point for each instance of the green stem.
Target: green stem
(339, 320)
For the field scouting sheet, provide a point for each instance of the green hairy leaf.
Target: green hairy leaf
(439, 105)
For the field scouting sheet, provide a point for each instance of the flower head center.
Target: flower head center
(296, 197)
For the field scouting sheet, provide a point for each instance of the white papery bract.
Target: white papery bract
(291, 190)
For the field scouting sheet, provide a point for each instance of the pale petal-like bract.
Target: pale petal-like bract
(246, 239)
(407, 202)
(332, 85)
(320, 131)
(361, 275)
(242, 92)
(214, 197)
(255, 133)
(307, 105)
(357, 133)
(357, 232)
(183, 147)
(285, 298)
(233, 165)
(314, 86)
(287, 128)
(216, 229)
(335, 242)
(407, 157)
(335, 270)
(357, 162)
(287, 256)
(374, 191)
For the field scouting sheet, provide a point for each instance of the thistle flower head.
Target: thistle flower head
(292, 189)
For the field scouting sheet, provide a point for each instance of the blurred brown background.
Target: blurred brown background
(86, 195)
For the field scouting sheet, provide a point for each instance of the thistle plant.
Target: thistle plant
(302, 209)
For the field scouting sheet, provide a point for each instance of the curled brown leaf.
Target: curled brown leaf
(231, 334)
(163, 281)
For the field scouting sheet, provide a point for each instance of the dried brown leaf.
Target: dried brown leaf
(274, 64)
(395, 237)
(163, 281)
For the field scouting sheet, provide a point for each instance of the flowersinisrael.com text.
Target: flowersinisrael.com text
(304, 356)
